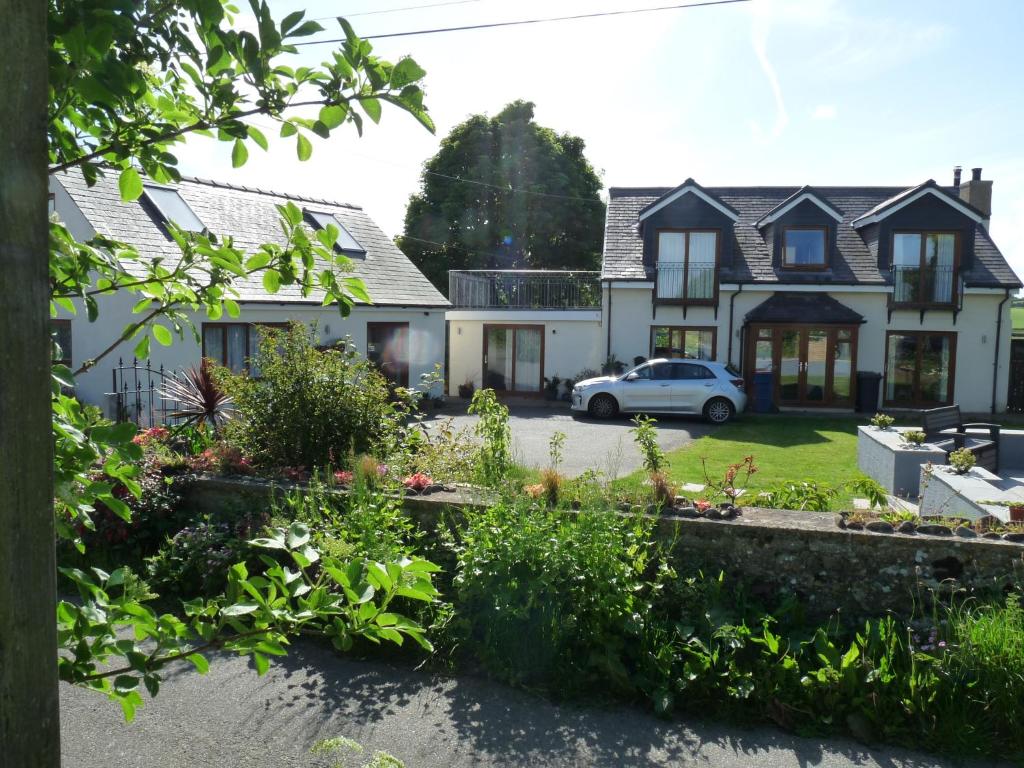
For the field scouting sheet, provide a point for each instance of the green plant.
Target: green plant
(962, 460)
(556, 444)
(493, 428)
(446, 454)
(734, 481)
(882, 420)
(612, 366)
(310, 407)
(914, 437)
(806, 495)
(328, 747)
(645, 435)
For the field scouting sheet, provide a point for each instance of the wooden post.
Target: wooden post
(29, 704)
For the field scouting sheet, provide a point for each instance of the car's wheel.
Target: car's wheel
(718, 410)
(603, 406)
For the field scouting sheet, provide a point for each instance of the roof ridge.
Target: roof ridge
(269, 192)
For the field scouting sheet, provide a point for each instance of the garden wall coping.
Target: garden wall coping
(777, 553)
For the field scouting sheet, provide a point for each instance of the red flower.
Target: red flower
(417, 482)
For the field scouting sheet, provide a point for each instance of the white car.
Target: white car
(665, 386)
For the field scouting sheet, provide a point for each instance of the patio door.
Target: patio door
(387, 347)
(514, 358)
(812, 365)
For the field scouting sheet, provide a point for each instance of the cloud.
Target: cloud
(825, 112)
(761, 26)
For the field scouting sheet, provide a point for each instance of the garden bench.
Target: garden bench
(945, 428)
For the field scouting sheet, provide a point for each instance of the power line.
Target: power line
(521, 22)
(396, 10)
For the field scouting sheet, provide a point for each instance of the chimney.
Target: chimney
(956, 179)
(977, 193)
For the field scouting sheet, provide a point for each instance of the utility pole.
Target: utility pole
(29, 701)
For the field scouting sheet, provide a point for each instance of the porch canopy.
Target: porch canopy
(803, 308)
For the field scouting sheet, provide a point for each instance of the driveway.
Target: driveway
(606, 446)
(232, 718)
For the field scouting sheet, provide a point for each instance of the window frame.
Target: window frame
(685, 299)
(825, 261)
(223, 326)
(310, 215)
(682, 329)
(917, 402)
(923, 234)
(151, 202)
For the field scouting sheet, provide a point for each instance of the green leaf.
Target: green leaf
(405, 72)
(332, 115)
(130, 184)
(240, 609)
(271, 281)
(199, 662)
(303, 148)
(371, 107)
(257, 136)
(163, 335)
(288, 129)
(262, 663)
(142, 348)
(239, 154)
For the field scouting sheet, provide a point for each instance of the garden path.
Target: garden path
(232, 717)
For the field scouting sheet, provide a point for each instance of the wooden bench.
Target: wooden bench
(945, 428)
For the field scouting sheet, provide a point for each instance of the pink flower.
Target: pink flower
(417, 482)
(343, 477)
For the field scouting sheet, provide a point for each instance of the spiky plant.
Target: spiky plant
(200, 401)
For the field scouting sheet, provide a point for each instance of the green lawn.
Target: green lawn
(1017, 315)
(784, 447)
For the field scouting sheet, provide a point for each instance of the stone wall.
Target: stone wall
(777, 553)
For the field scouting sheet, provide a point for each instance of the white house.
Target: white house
(403, 330)
(813, 288)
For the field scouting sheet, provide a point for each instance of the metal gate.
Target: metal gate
(138, 394)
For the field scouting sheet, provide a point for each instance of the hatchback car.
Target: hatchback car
(665, 386)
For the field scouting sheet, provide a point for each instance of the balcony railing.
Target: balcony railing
(524, 289)
(921, 287)
(681, 282)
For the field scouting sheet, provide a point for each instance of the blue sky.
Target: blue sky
(766, 92)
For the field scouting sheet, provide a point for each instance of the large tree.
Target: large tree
(505, 193)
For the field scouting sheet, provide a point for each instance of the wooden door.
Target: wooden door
(387, 347)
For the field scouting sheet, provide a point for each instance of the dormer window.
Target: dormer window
(687, 265)
(924, 268)
(344, 243)
(170, 206)
(804, 247)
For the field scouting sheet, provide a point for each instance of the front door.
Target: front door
(514, 358)
(387, 347)
(812, 365)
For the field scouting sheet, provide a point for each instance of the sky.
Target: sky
(780, 92)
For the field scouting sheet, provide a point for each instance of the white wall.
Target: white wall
(633, 317)
(426, 337)
(573, 341)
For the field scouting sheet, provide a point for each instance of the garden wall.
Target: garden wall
(777, 553)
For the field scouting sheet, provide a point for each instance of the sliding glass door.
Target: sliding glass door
(514, 358)
(813, 365)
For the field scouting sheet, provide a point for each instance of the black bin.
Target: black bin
(868, 383)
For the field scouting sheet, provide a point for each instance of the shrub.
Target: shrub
(914, 437)
(548, 599)
(646, 438)
(309, 407)
(446, 454)
(961, 460)
(493, 428)
(882, 420)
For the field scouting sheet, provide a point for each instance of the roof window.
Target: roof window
(172, 208)
(344, 243)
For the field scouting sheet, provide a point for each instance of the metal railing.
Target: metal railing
(138, 394)
(692, 282)
(917, 286)
(523, 289)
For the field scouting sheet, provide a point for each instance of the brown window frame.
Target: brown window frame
(924, 233)
(67, 353)
(685, 300)
(917, 402)
(248, 338)
(806, 267)
(543, 344)
(683, 329)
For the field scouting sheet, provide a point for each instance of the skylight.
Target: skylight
(345, 243)
(171, 207)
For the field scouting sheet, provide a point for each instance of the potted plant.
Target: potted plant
(914, 437)
(466, 389)
(613, 366)
(551, 387)
(961, 460)
(882, 421)
(569, 384)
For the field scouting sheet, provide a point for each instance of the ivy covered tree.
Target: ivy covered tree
(128, 81)
(505, 193)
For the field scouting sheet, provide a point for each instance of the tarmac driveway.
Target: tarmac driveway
(605, 446)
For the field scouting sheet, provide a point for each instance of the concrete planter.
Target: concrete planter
(883, 455)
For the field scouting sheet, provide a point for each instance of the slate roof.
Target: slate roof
(854, 263)
(248, 215)
(803, 307)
